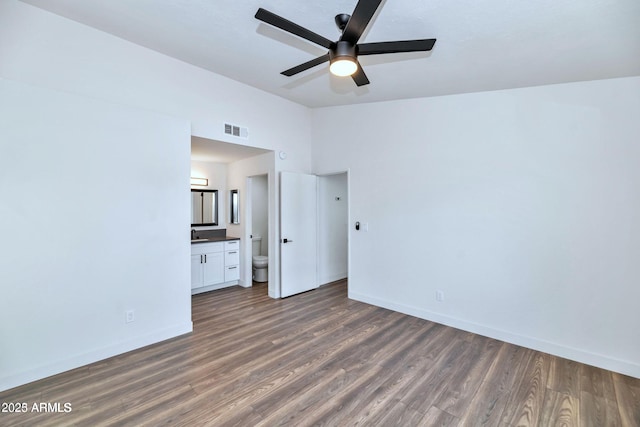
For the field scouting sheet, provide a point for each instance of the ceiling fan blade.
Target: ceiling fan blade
(309, 64)
(360, 77)
(359, 20)
(290, 27)
(395, 47)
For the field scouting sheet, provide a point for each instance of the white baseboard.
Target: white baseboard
(578, 355)
(79, 360)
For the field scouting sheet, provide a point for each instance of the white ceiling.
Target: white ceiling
(482, 45)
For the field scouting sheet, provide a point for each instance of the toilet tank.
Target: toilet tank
(255, 245)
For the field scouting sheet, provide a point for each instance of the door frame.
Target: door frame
(273, 232)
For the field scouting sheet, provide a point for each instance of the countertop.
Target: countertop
(215, 239)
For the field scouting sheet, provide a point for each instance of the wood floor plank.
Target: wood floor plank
(627, 391)
(526, 402)
(598, 411)
(435, 380)
(330, 372)
(564, 376)
(487, 405)
(437, 417)
(369, 402)
(361, 390)
(597, 382)
(320, 359)
(364, 380)
(426, 356)
(468, 376)
(559, 409)
(400, 415)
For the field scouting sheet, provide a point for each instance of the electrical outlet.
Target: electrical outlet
(130, 316)
(439, 295)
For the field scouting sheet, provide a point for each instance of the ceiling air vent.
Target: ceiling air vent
(235, 130)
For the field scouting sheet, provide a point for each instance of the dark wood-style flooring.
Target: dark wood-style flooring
(321, 359)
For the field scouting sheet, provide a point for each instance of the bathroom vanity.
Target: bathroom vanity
(215, 264)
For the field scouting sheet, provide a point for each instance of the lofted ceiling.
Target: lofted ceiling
(481, 45)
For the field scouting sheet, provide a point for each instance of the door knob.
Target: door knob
(286, 241)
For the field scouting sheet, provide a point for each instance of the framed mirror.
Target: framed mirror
(204, 207)
(234, 203)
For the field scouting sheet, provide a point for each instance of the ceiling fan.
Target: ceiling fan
(343, 54)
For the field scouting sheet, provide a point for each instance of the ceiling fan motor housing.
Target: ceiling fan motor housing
(343, 49)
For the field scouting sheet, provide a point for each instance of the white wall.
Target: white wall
(521, 205)
(333, 227)
(216, 173)
(260, 211)
(61, 56)
(71, 57)
(94, 206)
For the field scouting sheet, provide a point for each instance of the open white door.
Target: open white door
(298, 233)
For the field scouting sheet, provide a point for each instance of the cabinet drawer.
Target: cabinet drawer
(232, 257)
(232, 245)
(231, 272)
(204, 248)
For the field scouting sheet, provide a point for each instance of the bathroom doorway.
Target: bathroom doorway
(333, 227)
(258, 217)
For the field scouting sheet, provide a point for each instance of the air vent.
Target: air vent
(234, 130)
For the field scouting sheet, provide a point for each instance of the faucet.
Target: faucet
(193, 233)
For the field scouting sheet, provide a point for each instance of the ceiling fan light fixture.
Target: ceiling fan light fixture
(343, 66)
(343, 59)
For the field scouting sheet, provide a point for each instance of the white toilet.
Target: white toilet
(260, 262)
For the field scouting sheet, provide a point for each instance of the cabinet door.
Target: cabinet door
(213, 270)
(196, 271)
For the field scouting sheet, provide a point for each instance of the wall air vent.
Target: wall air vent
(234, 130)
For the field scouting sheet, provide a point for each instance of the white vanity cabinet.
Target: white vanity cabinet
(214, 265)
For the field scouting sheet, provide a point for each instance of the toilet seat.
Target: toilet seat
(260, 261)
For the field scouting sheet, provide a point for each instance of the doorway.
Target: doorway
(333, 227)
(314, 232)
(258, 219)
